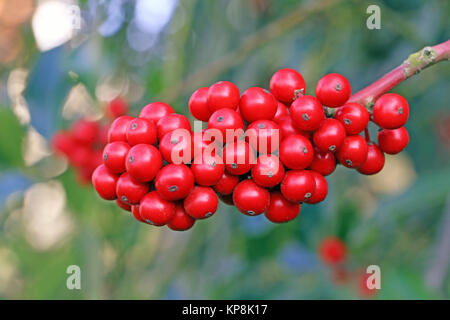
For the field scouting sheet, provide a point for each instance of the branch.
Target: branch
(415, 63)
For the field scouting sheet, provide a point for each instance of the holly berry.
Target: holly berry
(136, 213)
(85, 131)
(280, 209)
(287, 128)
(62, 142)
(118, 129)
(223, 94)
(324, 162)
(104, 182)
(333, 90)
(298, 185)
(296, 152)
(201, 203)
(282, 111)
(393, 141)
(141, 130)
(180, 220)
(226, 184)
(268, 170)
(172, 122)
(114, 156)
(226, 120)
(203, 142)
(143, 162)
(307, 113)
(264, 136)
(391, 111)
(250, 199)
(177, 147)
(239, 157)
(286, 84)
(116, 107)
(257, 104)
(207, 169)
(321, 190)
(354, 117)
(330, 135)
(155, 111)
(353, 152)
(374, 162)
(332, 250)
(123, 205)
(174, 181)
(155, 210)
(129, 190)
(198, 104)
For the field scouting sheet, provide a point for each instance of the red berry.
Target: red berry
(323, 162)
(63, 142)
(226, 120)
(282, 111)
(321, 191)
(177, 147)
(226, 184)
(136, 213)
(374, 162)
(227, 199)
(280, 209)
(141, 130)
(333, 90)
(114, 156)
(330, 135)
(117, 107)
(129, 190)
(238, 157)
(118, 129)
(201, 203)
(264, 136)
(268, 170)
(180, 221)
(298, 185)
(156, 211)
(207, 169)
(172, 122)
(286, 84)
(198, 105)
(143, 162)
(223, 94)
(79, 156)
(257, 104)
(123, 205)
(251, 199)
(203, 143)
(354, 117)
(104, 182)
(174, 181)
(85, 131)
(391, 111)
(288, 128)
(393, 141)
(307, 113)
(332, 250)
(155, 111)
(353, 152)
(296, 152)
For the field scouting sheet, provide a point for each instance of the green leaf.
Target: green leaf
(12, 134)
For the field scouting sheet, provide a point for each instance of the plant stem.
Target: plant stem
(415, 63)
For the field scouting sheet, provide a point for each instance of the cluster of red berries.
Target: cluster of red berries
(262, 151)
(82, 144)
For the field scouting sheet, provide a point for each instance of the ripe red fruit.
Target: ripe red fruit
(198, 104)
(391, 111)
(207, 169)
(174, 181)
(321, 191)
(393, 141)
(155, 111)
(280, 209)
(177, 148)
(143, 162)
(129, 190)
(172, 122)
(201, 203)
(226, 120)
(227, 199)
(203, 143)
(307, 113)
(333, 90)
(223, 94)
(332, 250)
(268, 170)
(118, 129)
(104, 182)
(116, 107)
(354, 117)
(264, 136)
(141, 130)
(330, 135)
(136, 213)
(114, 155)
(238, 157)
(323, 162)
(374, 162)
(250, 199)
(226, 184)
(286, 83)
(85, 131)
(296, 152)
(180, 220)
(288, 128)
(257, 104)
(156, 211)
(282, 111)
(63, 142)
(353, 152)
(298, 185)
(123, 205)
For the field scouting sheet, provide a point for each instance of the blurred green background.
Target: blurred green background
(152, 50)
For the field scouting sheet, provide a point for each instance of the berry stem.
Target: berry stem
(415, 63)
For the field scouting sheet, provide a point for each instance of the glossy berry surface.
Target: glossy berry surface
(201, 203)
(307, 113)
(286, 84)
(172, 122)
(198, 104)
(226, 184)
(393, 141)
(250, 199)
(223, 94)
(104, 182)
(296, 152)
(114, 156)
(177, 147)
(264, 136)
(143, 162)
(353, 152)
(118, 129)
(174, 182)
(374, 161)
(268, 170)
(321, 190)
(324, 162)
(354, 117)
(257, 104)
(391, 111)
(282, 111)
(155, 210)
(155, 111)
(330, 135)
(141, 130)
(238, 157)
(298, 185)
(226, 120)
(180, 220)
(333, 90)
(207, 169)
(129, 190)
(280, 209)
